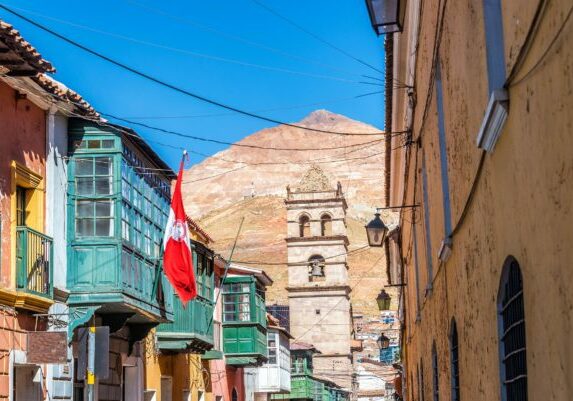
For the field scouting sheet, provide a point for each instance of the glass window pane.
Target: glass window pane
(93, 144)
(103, 186)
(84, 227)
(104, 227)
(107, 143)
(103, 208)
(84, 208)
(84, 166)
(103, 166)
(84, 186)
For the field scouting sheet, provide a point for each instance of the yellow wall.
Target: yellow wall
(523, 205)
(187, 371)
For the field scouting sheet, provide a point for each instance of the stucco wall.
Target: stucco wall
(522, 205)
(23, 140)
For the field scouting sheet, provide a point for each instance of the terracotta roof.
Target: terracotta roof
(19, 56)
(194, 225)
(300, 346)
(64, 93)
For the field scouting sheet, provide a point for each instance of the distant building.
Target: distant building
(318, 289)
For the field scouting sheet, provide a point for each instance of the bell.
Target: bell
(316, 270)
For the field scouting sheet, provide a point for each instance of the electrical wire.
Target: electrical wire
(172, 86)
(192, 53)
(203, 27)
(547, 49)
(315, 36)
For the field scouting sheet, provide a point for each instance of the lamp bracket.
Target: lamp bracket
(397, 207)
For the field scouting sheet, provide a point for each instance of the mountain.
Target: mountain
(249, 181)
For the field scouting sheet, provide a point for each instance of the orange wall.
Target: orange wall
(23, 139)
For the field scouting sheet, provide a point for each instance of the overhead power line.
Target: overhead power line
(193, 23)
(315, 36)
(196, 54)
(174, 87)
(243, 145)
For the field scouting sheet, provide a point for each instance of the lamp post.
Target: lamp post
(386, 16)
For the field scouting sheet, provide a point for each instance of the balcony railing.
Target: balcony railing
(34, 262)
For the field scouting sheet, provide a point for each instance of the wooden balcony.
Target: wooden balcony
(34, 262)
(191, 330)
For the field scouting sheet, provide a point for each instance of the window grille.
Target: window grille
(455, 362)
(436, 377)
(512, 333)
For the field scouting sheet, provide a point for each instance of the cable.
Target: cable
(172, 86)
(196, 24)
(192, 53)
(542, 57)
(254, 111)
(313, 35)
(227, 143)
(258, 262)
(529, 38)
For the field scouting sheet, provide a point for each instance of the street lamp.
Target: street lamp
(383, 342)
(383, 300)
(386, 16)
(376, 231)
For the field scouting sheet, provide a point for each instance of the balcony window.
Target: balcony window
(93, 182)
(272, 346)
(236, 302)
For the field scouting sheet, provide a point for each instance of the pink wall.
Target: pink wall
(225, 378)
(23, 139)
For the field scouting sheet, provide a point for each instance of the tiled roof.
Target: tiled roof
(62, 92)
(194, 225)
(18, 56)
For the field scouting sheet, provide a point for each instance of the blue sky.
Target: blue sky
(184, 42)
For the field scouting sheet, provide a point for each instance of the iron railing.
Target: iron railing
(34, 262)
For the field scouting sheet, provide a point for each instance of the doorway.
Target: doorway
(27, 383)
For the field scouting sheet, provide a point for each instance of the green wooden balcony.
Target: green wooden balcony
(303, 387)
(191, 330)
(34, 262)
(244, 322)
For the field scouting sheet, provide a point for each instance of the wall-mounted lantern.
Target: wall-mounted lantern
(376, 231)
(383, 342)
(383, 300)
(386, 16)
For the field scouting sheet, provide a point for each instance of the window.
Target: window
(304, 226)
(234, 395)
(20, 206)
(426, 212)
(316, 265)
(455, 364)
(421, 381)
(436, 376)
(325, 225)
(493, 24)
(511, 326)
(272, 347)
(236, 302)
(94, 184)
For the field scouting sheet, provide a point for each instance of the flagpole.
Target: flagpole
(226, 269)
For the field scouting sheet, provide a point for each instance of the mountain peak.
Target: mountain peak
(322, 116)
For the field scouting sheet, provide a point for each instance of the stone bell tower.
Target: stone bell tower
(318, 288)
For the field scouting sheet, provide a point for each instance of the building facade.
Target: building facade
(484, 159)
(318, 289)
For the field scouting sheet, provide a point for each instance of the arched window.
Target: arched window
(511, 326)
(455, 364)
(304, 226)
(234, 395)
(325, 225)
(435, 373)
(316, 266)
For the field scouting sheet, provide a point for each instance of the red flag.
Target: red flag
(177, 258)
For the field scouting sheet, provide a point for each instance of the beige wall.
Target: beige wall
(523, 205)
